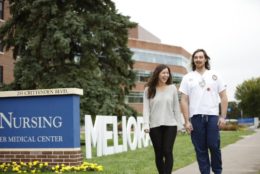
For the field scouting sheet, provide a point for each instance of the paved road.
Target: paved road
(242, 157)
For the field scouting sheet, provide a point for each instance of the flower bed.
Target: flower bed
(37, 167)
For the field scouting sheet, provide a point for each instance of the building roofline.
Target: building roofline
(155, 46)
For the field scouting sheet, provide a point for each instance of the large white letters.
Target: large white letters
(106, 128)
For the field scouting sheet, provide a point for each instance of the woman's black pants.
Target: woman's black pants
(163, 138)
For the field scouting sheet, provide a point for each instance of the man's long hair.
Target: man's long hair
(153, 81)
(207, 65)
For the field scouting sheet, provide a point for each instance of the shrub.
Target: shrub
(230, 127)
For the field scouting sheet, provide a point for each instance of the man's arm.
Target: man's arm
(224, 105)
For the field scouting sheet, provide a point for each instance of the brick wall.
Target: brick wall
(137, 106)
(66, 157)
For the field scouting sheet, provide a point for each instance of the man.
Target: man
(201, 90)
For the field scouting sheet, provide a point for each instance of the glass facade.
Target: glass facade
(159, 57)
(143, 76)
(135, 97)
(176, 78)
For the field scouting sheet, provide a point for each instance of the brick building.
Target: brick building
(6, 60)
(148, 53)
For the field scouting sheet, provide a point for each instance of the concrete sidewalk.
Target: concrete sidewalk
(242, 157)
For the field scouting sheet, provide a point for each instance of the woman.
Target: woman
(161, 112)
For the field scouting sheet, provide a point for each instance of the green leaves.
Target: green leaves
(47, 35)
(249, 95)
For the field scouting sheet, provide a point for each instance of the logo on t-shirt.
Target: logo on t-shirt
(214, 77)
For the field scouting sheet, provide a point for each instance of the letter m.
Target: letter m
(93, 135)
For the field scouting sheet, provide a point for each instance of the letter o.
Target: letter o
(131, 122)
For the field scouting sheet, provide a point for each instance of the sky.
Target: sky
(229, 31)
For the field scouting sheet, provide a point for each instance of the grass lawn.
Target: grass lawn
(141, 161)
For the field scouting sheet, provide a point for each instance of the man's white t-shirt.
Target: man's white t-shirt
(203, 92)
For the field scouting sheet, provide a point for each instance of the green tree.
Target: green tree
(248, 93)
(233, 112)
(66, 43)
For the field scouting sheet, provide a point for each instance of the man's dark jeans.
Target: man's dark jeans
(205, 136)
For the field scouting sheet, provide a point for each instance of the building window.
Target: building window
(135, 97)
(1, 47)
(1, 9)
(142, 76)
(176, 78)
(1, 75)
(159, 57)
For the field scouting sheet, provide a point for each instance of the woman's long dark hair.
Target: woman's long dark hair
(153, 81)
(207, 65)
